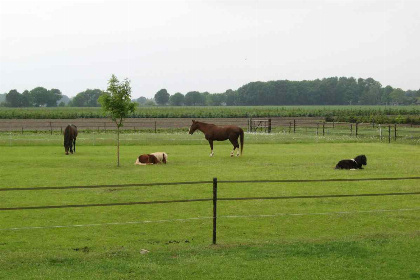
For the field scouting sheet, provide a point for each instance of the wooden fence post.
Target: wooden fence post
(389, 134)
(269, 125)
(294, 126)
(351, 129)
(380, 132)
(214, 209)
(323, 129)
(51, 128)
(395, 132)
(155, 126)
(357, 124)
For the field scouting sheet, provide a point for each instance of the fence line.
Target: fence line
(103, 204)
(208, 218)
(207, 182)
(214, 199)
(316, 128)
(290, 124)
(319, 180)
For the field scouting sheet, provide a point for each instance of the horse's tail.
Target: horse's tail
(241, 135)
(66, 135)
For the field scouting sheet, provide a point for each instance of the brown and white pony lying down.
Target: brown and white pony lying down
(153, 158)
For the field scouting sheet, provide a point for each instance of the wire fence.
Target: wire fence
(223, 217)
(215, 197)
(162, 132)
(308, 125)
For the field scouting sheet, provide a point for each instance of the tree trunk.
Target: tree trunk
(118, 146)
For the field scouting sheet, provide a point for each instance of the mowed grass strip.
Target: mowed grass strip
(340, 238)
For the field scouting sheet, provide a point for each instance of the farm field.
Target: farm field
(379, 114)
(329, 238)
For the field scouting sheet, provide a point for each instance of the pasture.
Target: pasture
(331, 238)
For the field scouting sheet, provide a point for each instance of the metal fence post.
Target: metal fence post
(214, 209)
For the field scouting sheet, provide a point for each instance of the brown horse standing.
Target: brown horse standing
(220, 133)
(70, 134)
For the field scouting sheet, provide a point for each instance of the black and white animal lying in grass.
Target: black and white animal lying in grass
(355, 163)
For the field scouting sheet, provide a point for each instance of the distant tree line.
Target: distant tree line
(42, 97)
(328, 91)
(37, 97)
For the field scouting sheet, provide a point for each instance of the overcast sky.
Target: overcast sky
(205, 45)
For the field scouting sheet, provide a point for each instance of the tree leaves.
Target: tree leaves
(117, 100)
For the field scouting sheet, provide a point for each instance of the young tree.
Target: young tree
(117, 103)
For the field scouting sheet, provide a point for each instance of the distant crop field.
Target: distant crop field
(379, 114)
(364, 237)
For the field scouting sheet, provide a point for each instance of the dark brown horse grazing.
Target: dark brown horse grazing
(70, 134)
(220, 133)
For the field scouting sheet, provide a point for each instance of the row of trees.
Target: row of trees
(39, 96)
(328, 91)
(42, 97)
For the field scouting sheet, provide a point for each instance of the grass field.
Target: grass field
(331, 238)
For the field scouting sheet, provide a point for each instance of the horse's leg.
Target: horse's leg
(211, 147)
(74, 143)
(235, 144)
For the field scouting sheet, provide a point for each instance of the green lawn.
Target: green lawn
(334, 238)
